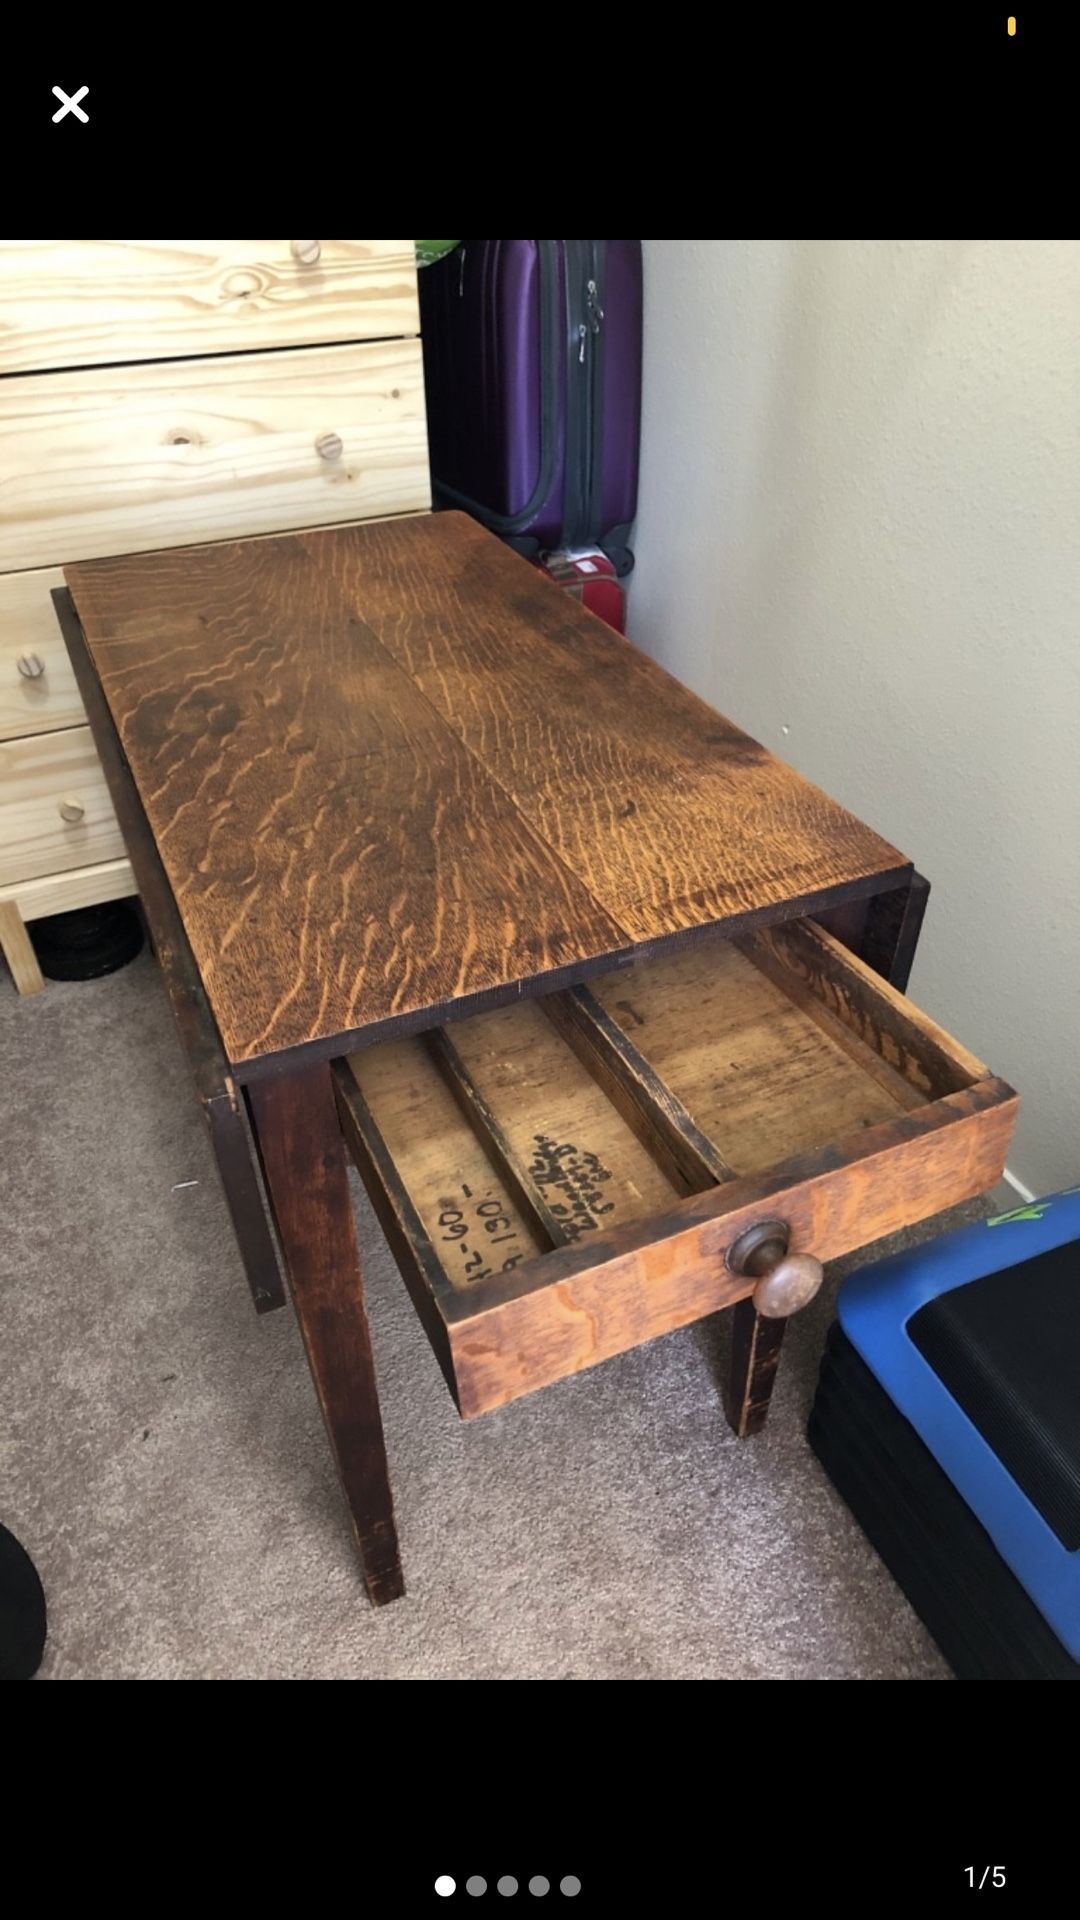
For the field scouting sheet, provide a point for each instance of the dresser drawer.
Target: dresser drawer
(565, 1178)
(37, 687)
(76, 303)
(124, 460)
(55, 811)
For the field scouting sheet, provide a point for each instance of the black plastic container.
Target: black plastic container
(985, 1623)
(22, 1611)
(87, 943)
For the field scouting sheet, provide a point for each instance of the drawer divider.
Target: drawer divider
(525, 1190)
(446, 1127)
(691, 1161)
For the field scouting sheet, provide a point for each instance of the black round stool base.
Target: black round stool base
(22, 1611)
(88, 943)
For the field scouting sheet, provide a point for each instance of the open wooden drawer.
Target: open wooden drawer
(565, 1178)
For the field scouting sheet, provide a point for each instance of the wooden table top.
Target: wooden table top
(391, 767)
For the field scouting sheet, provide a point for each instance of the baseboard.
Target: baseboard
(1018, 1186)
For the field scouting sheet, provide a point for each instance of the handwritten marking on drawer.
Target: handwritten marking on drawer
(476, 1225)
(574, 1179)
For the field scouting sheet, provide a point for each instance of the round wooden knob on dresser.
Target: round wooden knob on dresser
(71, 809)
(30, 665)
(785, 1281)
(306, 251)
(330, 446)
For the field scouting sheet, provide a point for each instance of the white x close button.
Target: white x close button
(70, 104)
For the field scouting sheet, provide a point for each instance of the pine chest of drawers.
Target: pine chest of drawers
(161, 393)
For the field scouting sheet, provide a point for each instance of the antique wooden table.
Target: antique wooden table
(385, 781)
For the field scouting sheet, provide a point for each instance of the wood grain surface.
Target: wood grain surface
(220, 1099)
(41, 696)
(582, 1304)
(39, 776)
(873, 1010)
(687, 1156)
(671, 815)
(306, 1171)
(391, 773)
(565, 1128)
(129, 458)
(438, 1160)
(74, 303)
(571, 1151)
(405, 1231)
(755, 1356)
(81, 887)
(531, 1199)
(530, 1132)
(17, 950)
(746, 1058)
(884, 930)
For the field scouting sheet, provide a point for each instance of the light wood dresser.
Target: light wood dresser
(161, 393)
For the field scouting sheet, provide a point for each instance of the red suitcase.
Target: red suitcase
(590, 576)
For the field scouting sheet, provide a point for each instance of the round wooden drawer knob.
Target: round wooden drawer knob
(785, 1281)
(30, 665)
(306, 251)
(791, 1284)
(330, 446)
(71, 809)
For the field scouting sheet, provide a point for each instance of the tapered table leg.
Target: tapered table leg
(303, 1158)
(755, 1355)
(230, 1138)
(785, 1281)
(884, 930)
(893, 928)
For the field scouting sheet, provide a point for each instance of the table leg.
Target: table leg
(17, 950)
(894, 924)
(755, 1355)
(883, 931)
(231, 1140)
(304, 1162)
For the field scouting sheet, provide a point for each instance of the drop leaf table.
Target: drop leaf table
(605, 1001)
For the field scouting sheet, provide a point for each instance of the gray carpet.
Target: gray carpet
(163, 1459)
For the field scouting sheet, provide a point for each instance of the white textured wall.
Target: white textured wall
(859, 535)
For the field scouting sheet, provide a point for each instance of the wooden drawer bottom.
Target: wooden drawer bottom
(563, 1179)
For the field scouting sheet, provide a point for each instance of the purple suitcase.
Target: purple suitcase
(532, 363)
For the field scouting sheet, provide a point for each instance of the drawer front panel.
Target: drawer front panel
(130, 459)
(554, 1199)
(651, 1281)
(79, 303)
(37, 687)
(55, 811)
